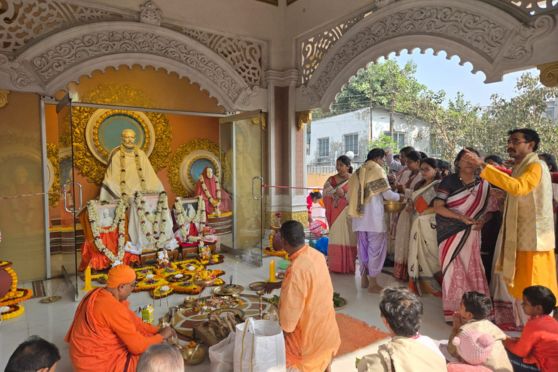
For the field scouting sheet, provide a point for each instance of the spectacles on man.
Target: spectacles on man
(516, 142)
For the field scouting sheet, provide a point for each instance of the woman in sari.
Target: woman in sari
(342, 248)
(460, 205)
(423, 263)
(403, 228)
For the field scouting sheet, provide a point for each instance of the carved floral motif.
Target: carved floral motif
(24, 20)
(476, 31)
(80, 49)
(150, 13)
(245, 56)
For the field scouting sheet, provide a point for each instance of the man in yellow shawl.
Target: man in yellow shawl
(368, 187)
(525, 253)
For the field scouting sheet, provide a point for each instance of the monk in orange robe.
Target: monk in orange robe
(105, 334)
(306, 312)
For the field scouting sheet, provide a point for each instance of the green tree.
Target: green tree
(383, 142)
(526, 110)
(379, 84)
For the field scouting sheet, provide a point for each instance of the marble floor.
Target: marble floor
(51, 321)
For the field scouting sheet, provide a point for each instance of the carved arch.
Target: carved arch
(64, 57)
(492, 40)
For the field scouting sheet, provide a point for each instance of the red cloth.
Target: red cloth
(538, 343)
(107, 336)
(91, 256)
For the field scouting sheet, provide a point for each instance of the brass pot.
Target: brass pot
(393, 206)
(195, 355)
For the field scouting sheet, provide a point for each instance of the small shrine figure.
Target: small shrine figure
(204, 252)
(162, 258)
(217, 201)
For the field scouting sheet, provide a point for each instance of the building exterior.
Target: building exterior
(334, 136)
(552, 110)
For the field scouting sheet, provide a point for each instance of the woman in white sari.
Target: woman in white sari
(403, 228)
(423, 263)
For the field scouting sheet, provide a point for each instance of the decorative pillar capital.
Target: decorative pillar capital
(549, 74)
(4, 97)
(303, 118)
(283, 78)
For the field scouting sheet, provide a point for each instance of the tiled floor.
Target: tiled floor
(52, 321)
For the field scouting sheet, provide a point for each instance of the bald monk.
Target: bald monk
(306, 312)
(105, 334)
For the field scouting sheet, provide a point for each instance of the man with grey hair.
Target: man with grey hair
(161, 358)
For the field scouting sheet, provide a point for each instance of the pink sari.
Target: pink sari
(459, 244)
(342, 248)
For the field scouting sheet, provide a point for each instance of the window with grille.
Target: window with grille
(323, 147)
(398, 137)
(351, 142)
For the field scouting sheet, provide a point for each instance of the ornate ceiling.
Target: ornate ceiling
(45, 44)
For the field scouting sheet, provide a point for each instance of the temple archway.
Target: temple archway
(493, 40)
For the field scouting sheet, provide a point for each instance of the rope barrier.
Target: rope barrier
(290, 187)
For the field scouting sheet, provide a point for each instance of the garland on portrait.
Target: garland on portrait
(183, 220)
(158, 220)
(119, 222)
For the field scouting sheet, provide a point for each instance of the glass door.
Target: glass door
(241, 140)
(66, 201)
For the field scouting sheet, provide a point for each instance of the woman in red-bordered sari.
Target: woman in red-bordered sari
(342, 248)
(460, 206)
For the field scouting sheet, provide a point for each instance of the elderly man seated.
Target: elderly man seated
(408, 350)
(105, 334)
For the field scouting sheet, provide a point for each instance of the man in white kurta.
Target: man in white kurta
(368, 188)
(129, 170)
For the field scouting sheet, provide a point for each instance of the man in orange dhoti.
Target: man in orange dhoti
(525, 252)
(306, 310)
(105, 334)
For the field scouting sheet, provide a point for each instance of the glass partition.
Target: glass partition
(242, 142)
(22, 207)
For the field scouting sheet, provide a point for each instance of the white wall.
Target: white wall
(335, 127)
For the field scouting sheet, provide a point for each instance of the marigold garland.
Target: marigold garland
(214, 202)
(119, 220)
(123, 151)
(183, 220)
(157, 236)
(17, 296)
(14, 312)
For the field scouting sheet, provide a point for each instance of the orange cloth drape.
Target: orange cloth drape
(107, 336)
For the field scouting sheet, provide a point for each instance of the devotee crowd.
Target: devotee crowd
(479, 235)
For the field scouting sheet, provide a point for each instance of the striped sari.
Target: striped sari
(342, 247)
(459, 244)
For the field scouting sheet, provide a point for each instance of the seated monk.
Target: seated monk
(216, 200)
(105, 334)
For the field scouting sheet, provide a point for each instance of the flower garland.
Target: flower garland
(119, 220)
(214, 202)
(123, 169)
(13, 312)
(183, 220)
(157, 236)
